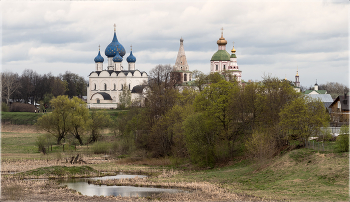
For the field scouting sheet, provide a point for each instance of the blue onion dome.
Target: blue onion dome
(117, 58)
(113, 47)
(99, 58)
(131, 58)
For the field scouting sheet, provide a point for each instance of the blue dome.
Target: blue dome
(117, 58)
(131, 58)
(113, 47)
(99, 58)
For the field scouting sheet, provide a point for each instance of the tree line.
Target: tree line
(220, 120)
(215, 120)
(31, 87)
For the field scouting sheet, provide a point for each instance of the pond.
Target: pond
(82, 186)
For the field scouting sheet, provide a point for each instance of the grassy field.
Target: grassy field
(303, 175)
(29, 118)
(299, 175)
(20, 118)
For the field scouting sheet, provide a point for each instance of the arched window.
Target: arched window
(114, 86)
(105, 86)
(122, 86)
(129, 86)
(217, 67)
(95, 86)
(185, 77)
(224, 67)
(98, 101)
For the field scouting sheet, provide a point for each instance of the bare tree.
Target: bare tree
(10, 84)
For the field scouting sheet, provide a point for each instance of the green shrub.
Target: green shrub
(41, 143)
(342, 142)
(4, 107)
(101, 147)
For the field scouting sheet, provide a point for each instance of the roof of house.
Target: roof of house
(317, 91)
(326, 99)
(344, 101)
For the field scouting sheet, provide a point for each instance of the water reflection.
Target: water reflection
(82, 186)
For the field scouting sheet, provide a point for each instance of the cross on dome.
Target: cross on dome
(222, 31)
(115, 27)
(131, 47)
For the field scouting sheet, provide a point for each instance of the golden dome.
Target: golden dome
(222, 40)
(233, 48)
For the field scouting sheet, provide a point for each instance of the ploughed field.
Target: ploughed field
(299, 175)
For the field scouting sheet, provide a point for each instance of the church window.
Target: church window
(98, 101)
(129, 86)
(105, 86)
(185, 77)
(224, 67)
(217, 67)
(95, 86)
(122, 86)
(114, 86)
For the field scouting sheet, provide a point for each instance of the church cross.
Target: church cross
(222, 31)
(131, 47)
(115, 26)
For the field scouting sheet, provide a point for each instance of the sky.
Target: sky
(272, 38)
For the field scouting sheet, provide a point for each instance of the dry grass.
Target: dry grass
(198, 191)
(19, 128)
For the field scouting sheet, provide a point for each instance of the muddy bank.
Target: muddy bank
(14, 189)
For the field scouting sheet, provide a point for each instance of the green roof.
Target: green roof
(221, 55)
(233, 55)
(318, 91)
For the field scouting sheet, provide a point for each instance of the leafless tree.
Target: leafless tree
(10, 84)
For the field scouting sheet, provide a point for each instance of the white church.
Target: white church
(222, 61)
(106, 85)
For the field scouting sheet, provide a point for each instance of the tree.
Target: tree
(302, 117)
(58, 123)
(200, 79)
(99, 120)
(200, 136)
(10, 84)
(80, 119)
(124, 98)
(334, 88)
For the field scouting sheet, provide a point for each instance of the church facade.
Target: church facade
(106, 85)
(222, 61)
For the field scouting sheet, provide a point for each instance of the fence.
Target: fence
(321, 146)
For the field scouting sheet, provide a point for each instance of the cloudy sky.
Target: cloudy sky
(271, 37)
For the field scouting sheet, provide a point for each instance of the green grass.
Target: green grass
(20, 118)
(302, 174)
(59, 171)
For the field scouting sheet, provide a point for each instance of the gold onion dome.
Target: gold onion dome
(222, 40)
(233, 49)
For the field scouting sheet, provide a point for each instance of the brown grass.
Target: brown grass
(19, 128)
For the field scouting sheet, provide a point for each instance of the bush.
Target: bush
(4, 107)
(261, 145)
(41, 143)
(22, 107)
(101, 147)
(342, 143)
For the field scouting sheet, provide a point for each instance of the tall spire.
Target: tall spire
(181, 61)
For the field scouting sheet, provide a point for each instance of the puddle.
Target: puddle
(82, 186)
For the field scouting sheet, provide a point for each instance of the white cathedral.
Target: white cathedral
(106, 85)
